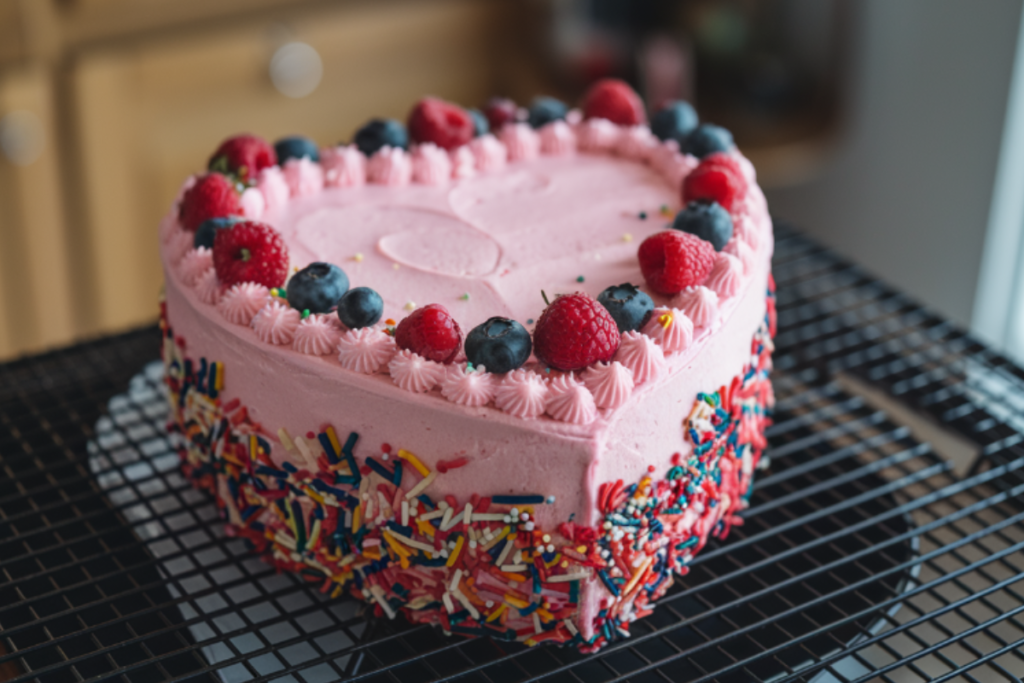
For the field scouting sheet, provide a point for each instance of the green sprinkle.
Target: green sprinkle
(529, 321)
(465, 297)
(643, 215)
(544, 296)
(305, 313)
(579, 278)
(469, 367)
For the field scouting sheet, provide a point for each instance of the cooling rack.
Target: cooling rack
(866, 555)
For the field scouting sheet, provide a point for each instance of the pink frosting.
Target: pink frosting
(240, 303)
(557, 139)
(521, 141)
(489, 153)
(468, 387)
(747, 168)
(276, 323)
(389, 166)
(178, 244)
(639, 353)
(252, 203)
(597, 135)
(610, 383)
(726, 275)
(316, 335)
(274, 188)
(365, 350)
(463, 162)
(636, 142)
(671, 329)
(745, 228)
(430, 165)
(522, 394)
(304, 176)
(194, 264)
(208, 287)
(415, 373)
(742, 251)
(700, 305)
(570, 401)
(344, 166)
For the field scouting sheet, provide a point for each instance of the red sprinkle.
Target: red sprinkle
(385, 448)
(444, 465)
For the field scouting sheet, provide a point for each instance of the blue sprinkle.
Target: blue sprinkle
(527, 499)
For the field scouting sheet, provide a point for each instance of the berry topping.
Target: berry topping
(317, 287)
(243, 156)
(430, 332)
(500, 345)
(612, 99)
(250, 252)
(499, 111)
(544, 110)
(718, 178)
(575, 331)
(707, 139)
(630, 307)
(674, 121)
(207, 230)
(480, 124)
(381, 133)
(672, 260)
(360, 307)
(212, 196)
(296, 147)
(708, 221)
(447, 125)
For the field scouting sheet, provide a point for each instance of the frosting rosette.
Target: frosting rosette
(252, 204)
(742, 251)
(365, 350)
(610, 383)
(272, 185)
(275, 323)
(671, 329)
(700, 305)
(468, 387)
(557, 139)
(522, 394)
(488, 153)
(316, 335)
(726, 275)
(641, 355)
(390, 166)
(415, 373)
(208, 287)
(521, 141)
(570, 401)
(193, 264)
(242, 302)
(636, 142)
(430, 165)
(597, 135)
(304, 176)
(463, 162)
(344, 166)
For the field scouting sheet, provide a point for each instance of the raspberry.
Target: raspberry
(243, 156)
(499, 111)
(250, 252)
(213, 196)
(575, 331)
(430, 332)
(672, 260)
(614, 100)
(446, 125)
(718, 178)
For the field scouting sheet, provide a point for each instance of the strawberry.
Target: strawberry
(243, 156)
(447, 125)
(614, 100)
(430, 332)
(673, 260)
(250, 252)
(718, 178)
(575, 331)
(212, 196)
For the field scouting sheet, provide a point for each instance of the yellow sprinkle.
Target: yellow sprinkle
(253, 445)
(410, 306)
(414, 461)
(337, 591)
(455, 553)
(665, 319)
(219, 384)
(665, 211)
(286, 439)
(493, 616)
(333, 438)
(627, 237)
(395, 266)
(355, 518)
(357, 258)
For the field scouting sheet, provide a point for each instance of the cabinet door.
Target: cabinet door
(149, 113)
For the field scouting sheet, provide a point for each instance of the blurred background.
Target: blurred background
(890, 130)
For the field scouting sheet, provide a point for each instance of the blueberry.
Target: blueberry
(708, 221)
(630, 308)
(544, 110)
(379, 133)
(707, 139)
(360, 307)
(480, 124)
(207, 230)
(674, 121)
(296, 147)
(500, 345)
(317, 287)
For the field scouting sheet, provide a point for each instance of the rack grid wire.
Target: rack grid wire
(864, 555)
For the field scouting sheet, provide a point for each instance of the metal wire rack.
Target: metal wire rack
(865, 554)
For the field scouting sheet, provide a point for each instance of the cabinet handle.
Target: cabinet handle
(296, 69)
(22, 137)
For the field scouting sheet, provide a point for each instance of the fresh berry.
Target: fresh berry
(708, 221)
(674, 121)
(207, 230)
(707, 139)
(500, 345)
(381, 133)
(447, 125)
(718, 178)
(612, 99)
(575, 331)
(250, 252)
(630, 307)
(430, 332)
(212, 196)
(317, 287)
(672, 260)
(499, 111)
(480, 124)
(544, 110)
(296, 147)
(243, 156)
(360, 307)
